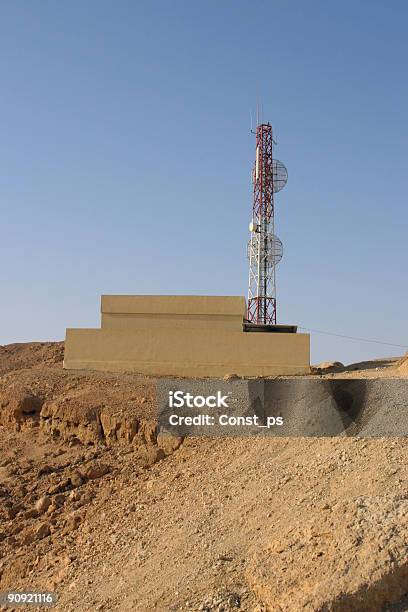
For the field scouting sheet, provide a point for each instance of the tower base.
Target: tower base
(189, 336)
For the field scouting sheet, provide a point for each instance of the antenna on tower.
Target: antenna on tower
(264, 250)
(258, 104)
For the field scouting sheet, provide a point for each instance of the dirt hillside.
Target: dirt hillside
(403, 366)
(98, 508)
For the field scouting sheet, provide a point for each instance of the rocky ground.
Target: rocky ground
(98, 508)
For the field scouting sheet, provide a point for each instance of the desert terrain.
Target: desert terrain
(98, 508)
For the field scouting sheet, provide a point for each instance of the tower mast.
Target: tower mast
(264, 248)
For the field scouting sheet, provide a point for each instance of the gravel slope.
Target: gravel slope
(139, 523)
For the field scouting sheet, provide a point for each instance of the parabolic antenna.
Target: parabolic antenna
(280, 175)
(273, 248)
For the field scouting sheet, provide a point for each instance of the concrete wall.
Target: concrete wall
(126, 312)
(175, 304)
(193, 336)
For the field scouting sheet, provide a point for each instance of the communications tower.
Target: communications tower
(265, 250)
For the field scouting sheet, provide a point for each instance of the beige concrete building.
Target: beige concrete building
(192, 336)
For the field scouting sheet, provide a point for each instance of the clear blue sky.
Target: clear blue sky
(125, 159)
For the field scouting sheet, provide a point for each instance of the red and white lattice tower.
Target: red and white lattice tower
(264, 248)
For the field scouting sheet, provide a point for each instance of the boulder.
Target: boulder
(19, 407)
(327, 367)
(168, 442)
(231, 377)
(76, 479)
(96, 470)
(43, 504)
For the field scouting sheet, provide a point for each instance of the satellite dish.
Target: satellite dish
(253, 227)
(279, 175)
(273, 248)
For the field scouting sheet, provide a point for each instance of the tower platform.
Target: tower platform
(192, 336)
